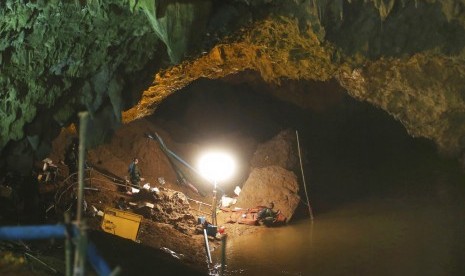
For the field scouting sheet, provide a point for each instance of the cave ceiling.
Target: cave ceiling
(118, 59)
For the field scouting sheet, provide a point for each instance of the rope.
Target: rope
(303, 176)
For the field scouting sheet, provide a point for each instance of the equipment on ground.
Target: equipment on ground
(121, 223)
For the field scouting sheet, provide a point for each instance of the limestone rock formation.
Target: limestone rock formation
(59, 58)
(406, 57)
(272, 178)
(179, 24)
(271, 184)
(280, 151)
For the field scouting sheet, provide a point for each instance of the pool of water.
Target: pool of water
(408, 235)
(385, 204)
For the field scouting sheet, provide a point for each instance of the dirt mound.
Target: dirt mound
(170, 210)
(169, 219)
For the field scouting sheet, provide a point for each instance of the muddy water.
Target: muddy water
(403, 217)
(385, 203)
(403, 214)
(413, 228)
(390, 237)
(382, 207)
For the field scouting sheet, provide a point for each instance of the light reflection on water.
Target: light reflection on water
(379, 237)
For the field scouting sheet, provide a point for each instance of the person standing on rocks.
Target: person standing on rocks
(134, 173)
(71, 158)
(49, 171)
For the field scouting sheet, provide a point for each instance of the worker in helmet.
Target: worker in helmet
(134, 173)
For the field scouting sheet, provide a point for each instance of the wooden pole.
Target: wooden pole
(303, 176)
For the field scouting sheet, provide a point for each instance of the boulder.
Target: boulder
(279, 151)
(271, 184)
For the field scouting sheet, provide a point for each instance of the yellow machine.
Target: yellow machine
(121, 223)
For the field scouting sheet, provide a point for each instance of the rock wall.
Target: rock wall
(424, 92)
(179, 24)
(57, 58)
(406, 57)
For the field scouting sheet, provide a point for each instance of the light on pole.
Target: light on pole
(216, 166)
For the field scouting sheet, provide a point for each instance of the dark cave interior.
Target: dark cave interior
(351, 150)
(374, 89)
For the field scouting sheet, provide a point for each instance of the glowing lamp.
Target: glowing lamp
(216, 166)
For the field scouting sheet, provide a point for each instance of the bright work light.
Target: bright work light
(216, 166)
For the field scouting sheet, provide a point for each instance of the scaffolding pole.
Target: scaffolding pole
(80, 254)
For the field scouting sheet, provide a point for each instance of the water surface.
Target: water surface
(390, 237)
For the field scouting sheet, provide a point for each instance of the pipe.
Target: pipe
(171, 153)
(68, 244)
(207, 246)
(174, 155)
(99, 265)
(33, 232)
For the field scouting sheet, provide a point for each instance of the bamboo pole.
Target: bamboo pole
(303, 176)
(80, 254)
(82, 137)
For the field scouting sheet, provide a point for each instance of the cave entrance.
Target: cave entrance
(352, 150)
(379, 195)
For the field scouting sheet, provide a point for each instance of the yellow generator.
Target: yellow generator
(121, 223)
